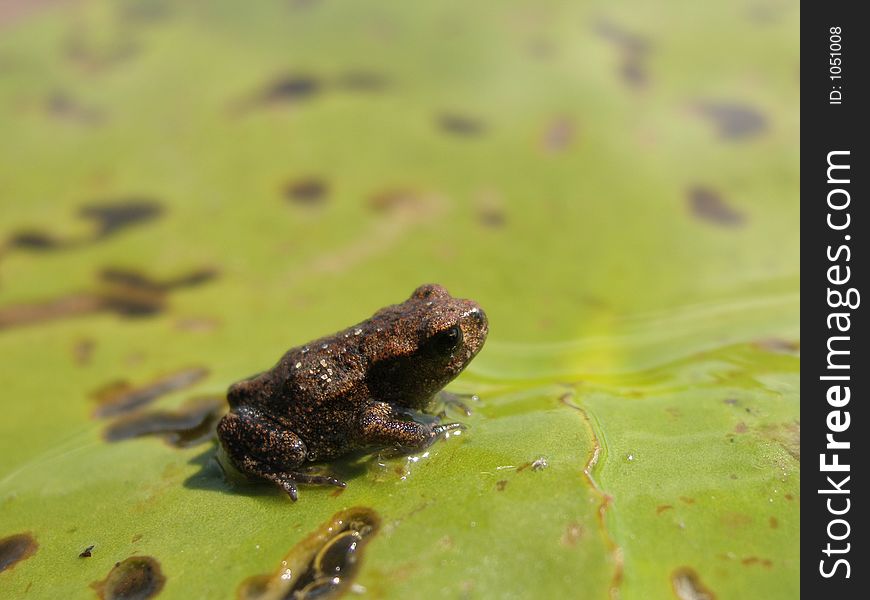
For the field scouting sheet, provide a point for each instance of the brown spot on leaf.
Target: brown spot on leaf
(290, 88)
(15, 548)
(501, 485)
(392, 200)
(309, 191)
(126, 293)
(83, 350)
(623, 39)
(558, 135)
(687, 500)
(663, 507)
(86, 553)
(491, 217)
(741, 427)
(708, 205)
(323, 565)
(774, 522)
(109, 217)
(72, 305)
(633, 50)
(119, 397)
(136, 280)
(789, 497)
(572, 534)
(34, 241)
(461, 125)
(778, 345)
(733, 121)
(688, 586)
(734, 520)
(197, 324)
(490, 209)
(137, 577)
(363, 81)
(114, 215)
(754, 560)
(61, 105)
(194, 423)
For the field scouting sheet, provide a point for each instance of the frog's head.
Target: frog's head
(430, 338)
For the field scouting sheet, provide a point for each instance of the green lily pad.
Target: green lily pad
(190, 189)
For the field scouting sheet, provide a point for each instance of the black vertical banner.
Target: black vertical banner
(834, 372)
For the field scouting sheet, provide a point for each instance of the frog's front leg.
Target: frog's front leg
(260, 447)
(381, 425)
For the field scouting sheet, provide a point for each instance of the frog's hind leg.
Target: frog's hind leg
(259, 447)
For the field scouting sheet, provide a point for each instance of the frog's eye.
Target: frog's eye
(448, 340)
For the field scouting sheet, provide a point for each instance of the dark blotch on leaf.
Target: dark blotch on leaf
(110, 218)
(709, 206)
(15, 548)
(134, 578)
(688, 586)
(116, 215)
(35, 240)
(136, 280)
(631, 43)
(633, 49)
(192, 424)
(460, 125)
(291, 88)
(323, 565)
(127, 293)
(634, 73)
(86, 553)
(120, 397)
(734, 121)
(501, 485)
(491, 217)
(307, 192)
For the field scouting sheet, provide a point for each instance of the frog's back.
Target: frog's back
(328, 371)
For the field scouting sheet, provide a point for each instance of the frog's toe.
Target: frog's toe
(285, 482)
(449, 400)
(318, 479)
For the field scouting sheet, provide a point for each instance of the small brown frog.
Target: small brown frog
(356, 389)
